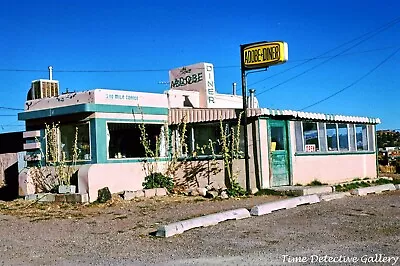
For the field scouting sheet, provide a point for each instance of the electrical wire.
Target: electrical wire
(11, 108)
(354, 82)
(216, 67)
(12, 125)
(321, 57)
(371, 33)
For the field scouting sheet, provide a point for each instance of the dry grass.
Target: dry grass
(140, 210)
(44, 211)
(387, 169)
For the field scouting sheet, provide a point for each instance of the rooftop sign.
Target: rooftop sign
(263, 54)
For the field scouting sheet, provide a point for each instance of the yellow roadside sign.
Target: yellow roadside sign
(261, 55)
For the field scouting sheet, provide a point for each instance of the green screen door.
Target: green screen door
(278, 153)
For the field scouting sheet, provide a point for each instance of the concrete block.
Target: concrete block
(375, 189)
(397, 186)
(31, 197)
(66, 189)
(202, 191)
(128, 195)
(84, 198)
(73, 198)
(139, 193)
(161, 191)
(283, 204)
(60, 198)
(333, 196)
(149, 193)
(46, 198)
(207, 220)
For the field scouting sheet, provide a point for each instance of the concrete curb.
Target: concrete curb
(283, 204)
(213, 219)
(375, 189)
(304, 190)
(49, 197)
(333, 196)
(207, 220)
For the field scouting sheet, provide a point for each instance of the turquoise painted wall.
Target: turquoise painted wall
(98, 140)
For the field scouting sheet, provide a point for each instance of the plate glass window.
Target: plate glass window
(310, 135)
(361, 138)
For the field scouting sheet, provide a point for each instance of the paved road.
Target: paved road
(351, 231)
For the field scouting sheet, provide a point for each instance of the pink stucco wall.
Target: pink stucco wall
(333, 168)
(116, 176)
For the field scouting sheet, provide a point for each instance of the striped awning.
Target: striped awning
(196, 115)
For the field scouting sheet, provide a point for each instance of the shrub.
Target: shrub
(316, 182)
(104, 195)
(382, 181)
(236, 190)
(158, 180)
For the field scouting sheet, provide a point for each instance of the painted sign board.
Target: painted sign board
(198, 77)
(130, 98)
(263, 54)
(310, 147)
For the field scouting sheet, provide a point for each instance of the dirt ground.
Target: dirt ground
(144, 212)
(119, 232)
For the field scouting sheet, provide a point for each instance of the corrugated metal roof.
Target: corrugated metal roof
(177, 115)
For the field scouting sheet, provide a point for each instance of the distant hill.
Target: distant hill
(388, 138)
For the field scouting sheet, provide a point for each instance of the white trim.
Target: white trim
(337, 137)
(326, 138)
(32, 146)
(319, 141)
(31, 134)
(302, 137)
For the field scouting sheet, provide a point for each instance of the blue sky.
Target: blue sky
(160, 35)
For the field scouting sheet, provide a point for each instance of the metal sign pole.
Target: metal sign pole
(246, 140)
(258, 55)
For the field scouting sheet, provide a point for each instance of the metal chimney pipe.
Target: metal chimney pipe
(50, 73)
(251, 101)
(234, 88)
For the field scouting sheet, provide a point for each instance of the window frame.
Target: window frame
(347, 133)
(318, 137)
(59, 148)
(351, 139)
(162, 128)
(367, 136)
(191, 143)
(336, 134)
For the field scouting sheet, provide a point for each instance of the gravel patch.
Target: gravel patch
(119, 233)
